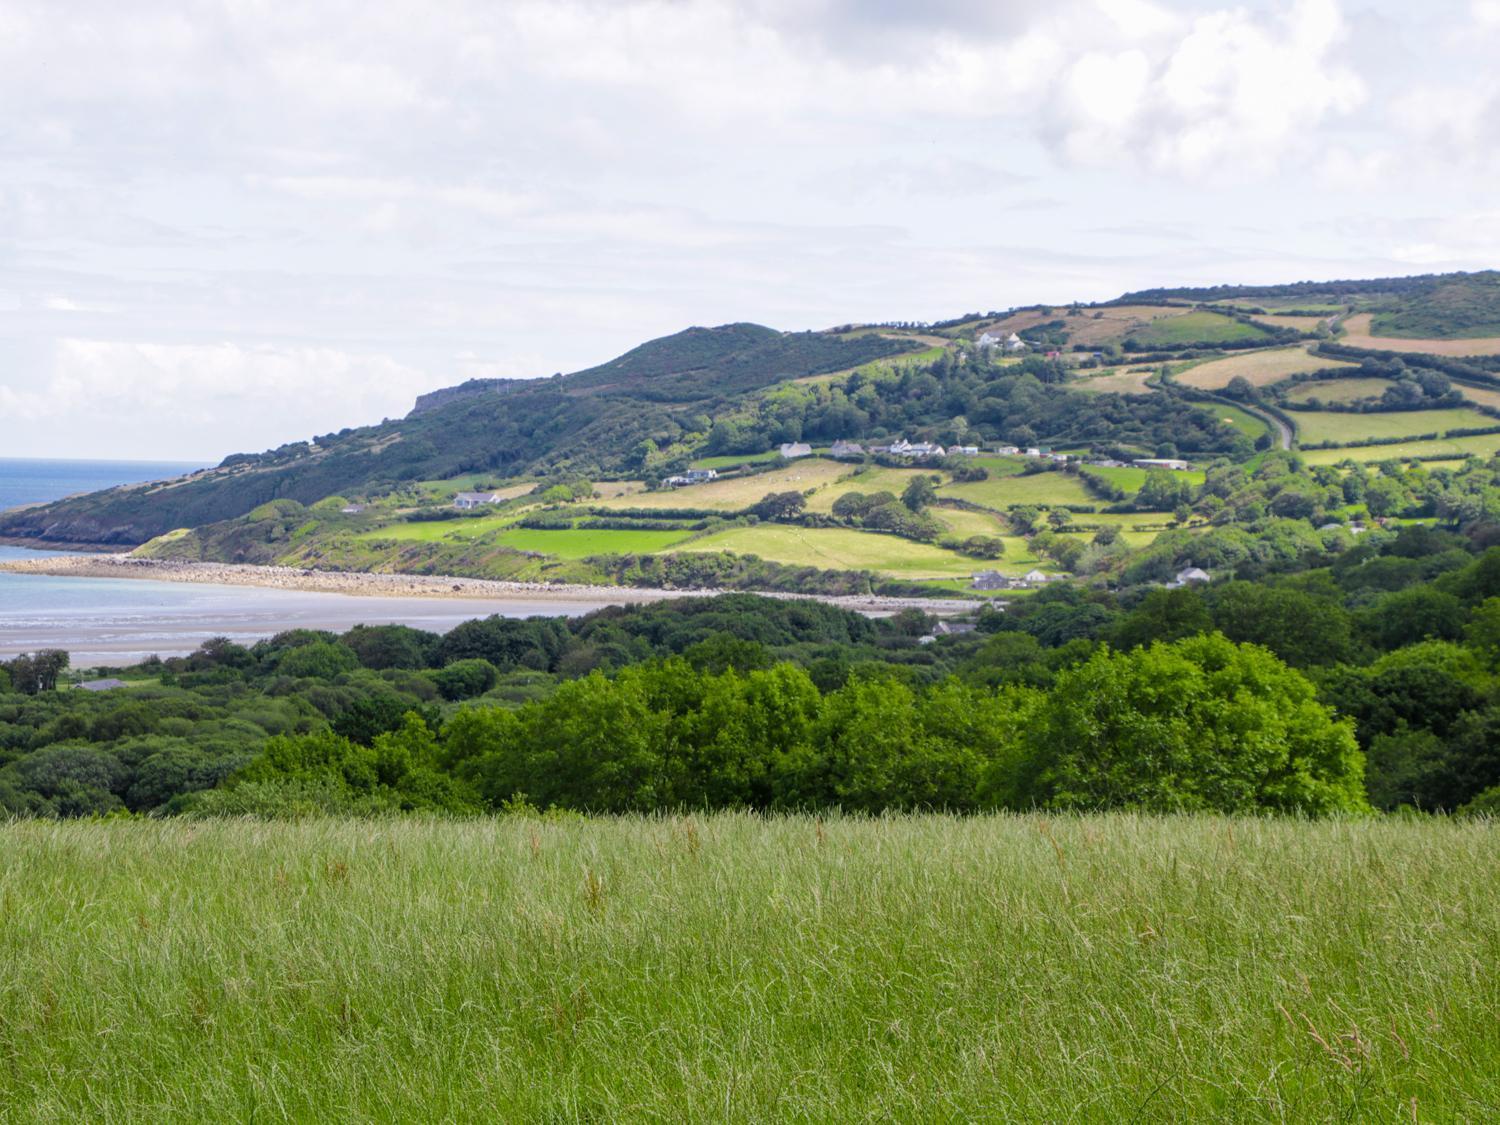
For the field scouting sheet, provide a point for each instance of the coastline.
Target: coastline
(362, 584)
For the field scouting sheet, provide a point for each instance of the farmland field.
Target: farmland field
(580, 543)
(1358, 335)
(964, 523)
(1258, 368)
(734, 460)
(1483, 445)
(1251, 425)
(431, 531)
(1131, 478)
(1339, 390)
(1195, 327)
(1297, 323)
(734, 493)
(1481, 395)
(878, 479)
(1033, 488)
(1125, 382)
(1318, 427)
(836, 548)
(732, 967)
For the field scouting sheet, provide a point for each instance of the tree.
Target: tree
(464, 679)
(780, 506)
(1200, 723)
(1163, 491)
(920, 491)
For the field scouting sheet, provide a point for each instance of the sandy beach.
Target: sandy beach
(419, 585)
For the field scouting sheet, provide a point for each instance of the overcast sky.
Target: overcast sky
(226, 224)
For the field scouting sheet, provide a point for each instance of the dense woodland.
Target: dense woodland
(1367, 683)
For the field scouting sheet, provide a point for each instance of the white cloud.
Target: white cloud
(213, 398)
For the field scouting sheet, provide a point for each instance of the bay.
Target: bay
(116, 621)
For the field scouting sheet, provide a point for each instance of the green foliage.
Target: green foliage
(1197, 724)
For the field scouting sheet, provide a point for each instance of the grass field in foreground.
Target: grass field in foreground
(737, 968)
(1314, 427)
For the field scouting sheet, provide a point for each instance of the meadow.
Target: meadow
(1482, 445)
(837, 548)
(1127, 381)
(1200, 327)
(1032, 488)
(1314, 427)
(731, 494)
(1339, 390)
(1258, 368)
(741, 968)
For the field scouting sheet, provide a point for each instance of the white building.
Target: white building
(468, 501)
(792, 449)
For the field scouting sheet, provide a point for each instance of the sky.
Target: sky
(229, 224)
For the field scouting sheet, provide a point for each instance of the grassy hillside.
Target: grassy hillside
(1200, 327)
(1460, 307)
(737, 968)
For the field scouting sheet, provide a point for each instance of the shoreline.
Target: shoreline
(362, 584)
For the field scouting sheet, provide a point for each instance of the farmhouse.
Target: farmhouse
(844, 449)
(692, 476)
(791, 449)
(990, 580)
(965, 450)
(1189, 577)
(924, 449)
(468, 501)
(989, 340)
(1014, 343)
(1160, 463)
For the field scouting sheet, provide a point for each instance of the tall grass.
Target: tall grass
(733, 967)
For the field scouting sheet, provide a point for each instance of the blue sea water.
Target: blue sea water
(37, 481)
(115, 621)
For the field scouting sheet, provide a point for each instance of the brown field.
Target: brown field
(1358, 335)
(1480, 395)
(1259, 368)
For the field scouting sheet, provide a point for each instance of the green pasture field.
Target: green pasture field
(1041, 489)
(964, 523)
(734, 493)
(1130, 478)
(1316, 427)
(1483, 445)
(433, 531)
(581, 543)
(1246, 423)
(1339, 390)
(1195, 327)
(472, 482)
(837, 548)
(733, 460)
(733, 967)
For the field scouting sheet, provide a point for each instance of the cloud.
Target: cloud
(214, 398)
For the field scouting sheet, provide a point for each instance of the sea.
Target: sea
(111, 622)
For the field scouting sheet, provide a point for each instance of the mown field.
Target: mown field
(1483, 445)
(1259, 368)
(1315, 427)
(739, 968)
(837, 548)
(1339, 390)
(734, 493)
(1033, 488)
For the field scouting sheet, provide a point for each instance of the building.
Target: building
(101, 685)
(791, 449)
(1160, 463)
(924, 449)
(1007, 450)
(1192, 576)
(692, 476)
(468, 501)
(1031, 451)
(989, 340)
(1036, 576)
(1014, 343)
(990, 580)
(965, 450)
(845, 449)
(352, 509)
